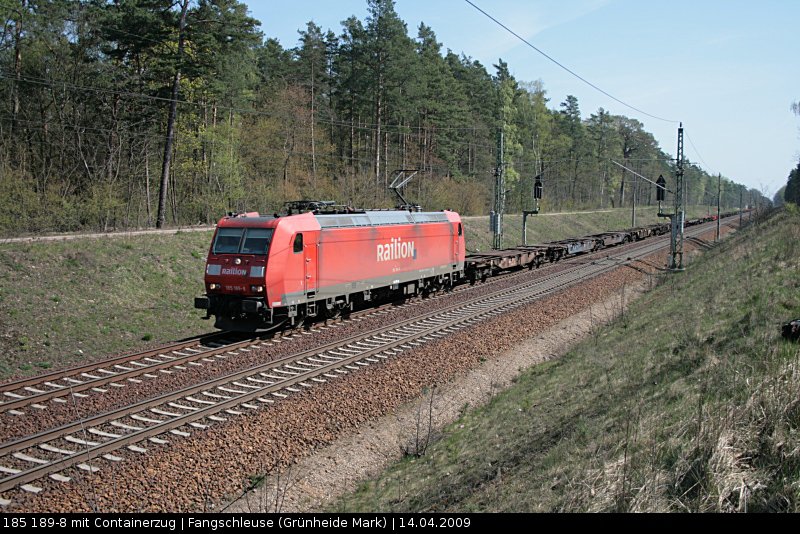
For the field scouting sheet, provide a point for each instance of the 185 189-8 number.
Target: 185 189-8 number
(34, 522)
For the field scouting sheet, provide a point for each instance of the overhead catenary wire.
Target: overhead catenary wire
(521, 166)
(525, 167)
(700, 157)
(400, 128)
(564, 67)
(581, 78)
(249, 111)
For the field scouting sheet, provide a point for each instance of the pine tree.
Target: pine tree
(390, 54)
(792, 192)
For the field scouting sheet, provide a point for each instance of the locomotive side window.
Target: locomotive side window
(228, 240)
(256, 241)
(460, 230)
(298, 243)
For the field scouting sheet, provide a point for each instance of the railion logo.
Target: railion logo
(234, 271)
(397, 249)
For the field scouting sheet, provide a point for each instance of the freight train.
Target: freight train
(320, 260)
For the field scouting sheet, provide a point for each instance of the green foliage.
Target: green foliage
(508, 95)
(83, 139)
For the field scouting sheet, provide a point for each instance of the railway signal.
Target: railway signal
(678, 218)
(661, 192)
(537, 196)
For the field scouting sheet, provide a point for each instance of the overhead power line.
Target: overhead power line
(697, 152)
(581, 78)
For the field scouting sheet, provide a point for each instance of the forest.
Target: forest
(140, 113)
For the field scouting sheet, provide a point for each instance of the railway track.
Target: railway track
(112, 372)
(87, 443)
(97, 377)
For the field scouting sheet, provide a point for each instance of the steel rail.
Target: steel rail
(25, 442)
(12, 390)
(42, 379)
(71, 371)
(111, 376)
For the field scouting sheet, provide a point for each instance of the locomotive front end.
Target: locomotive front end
(235, 276)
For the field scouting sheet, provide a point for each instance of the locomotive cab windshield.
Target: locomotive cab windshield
(243, 241)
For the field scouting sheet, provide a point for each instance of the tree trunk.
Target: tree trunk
(313, 141)
(147, 184)
(17, 68)
(173, 111)
(378, 112)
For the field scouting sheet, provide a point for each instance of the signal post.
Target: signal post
(537, 196)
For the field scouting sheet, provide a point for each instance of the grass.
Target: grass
(71, 301)
(700, 413)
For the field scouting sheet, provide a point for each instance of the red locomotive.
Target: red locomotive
(266, 270)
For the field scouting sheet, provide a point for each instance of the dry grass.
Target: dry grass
(691, 402)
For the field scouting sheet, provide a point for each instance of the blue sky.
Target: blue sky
(728, 69)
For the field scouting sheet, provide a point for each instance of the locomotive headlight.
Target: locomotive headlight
(214, 286)
(257, 289)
